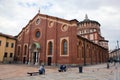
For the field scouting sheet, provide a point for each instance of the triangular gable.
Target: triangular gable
(43, 16)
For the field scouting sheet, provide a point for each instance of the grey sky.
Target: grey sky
(15, 14)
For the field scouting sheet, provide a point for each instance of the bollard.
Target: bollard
(108, 66)
(80, 69)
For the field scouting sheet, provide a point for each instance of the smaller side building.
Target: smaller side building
(115, 54)
(7, 48)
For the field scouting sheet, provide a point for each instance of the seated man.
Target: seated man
(41, 70)
(62, 68)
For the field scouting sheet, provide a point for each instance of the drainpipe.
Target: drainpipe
(91, 56)
(29, 51)
(45, 58)
(56, 41)
(84, 53)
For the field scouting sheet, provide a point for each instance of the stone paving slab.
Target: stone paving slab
(95, 72)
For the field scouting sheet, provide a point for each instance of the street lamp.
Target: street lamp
(117, 49)
(117, 44)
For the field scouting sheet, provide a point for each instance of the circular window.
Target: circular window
(37, 34)
(38, 21)
(51, 23)
(64, 28)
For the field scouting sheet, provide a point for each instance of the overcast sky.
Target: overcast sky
(15, 14)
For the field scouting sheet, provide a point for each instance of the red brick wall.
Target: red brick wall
(55, 33)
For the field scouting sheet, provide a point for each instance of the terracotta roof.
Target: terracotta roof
(78, 36)
(87, 20)
(115, 50)
(53, 17)
(7, 36)
(104, 40)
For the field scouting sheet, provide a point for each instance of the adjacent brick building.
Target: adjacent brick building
(51, 40)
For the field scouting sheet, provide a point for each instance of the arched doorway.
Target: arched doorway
(24, 60)
(34, 54)
(49, 61)
(25, 55)
(49, 53)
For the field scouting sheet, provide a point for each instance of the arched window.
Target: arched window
(18, 50)
(82, 52)
(50, 46)
(79, 49)
(25, 50)
(64, 47)
(78, 53)
(87, 51)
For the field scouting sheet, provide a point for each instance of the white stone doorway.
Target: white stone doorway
(34, 53)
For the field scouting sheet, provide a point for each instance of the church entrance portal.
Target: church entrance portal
(34, 54)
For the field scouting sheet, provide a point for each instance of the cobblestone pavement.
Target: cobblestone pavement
(94, 72)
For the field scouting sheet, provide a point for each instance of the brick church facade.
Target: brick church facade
(51, 41)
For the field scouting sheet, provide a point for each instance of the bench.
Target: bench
(31, 73)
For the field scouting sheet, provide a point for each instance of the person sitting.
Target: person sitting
(41, 70)
(62, 68)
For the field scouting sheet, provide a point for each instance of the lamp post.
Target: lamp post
(117, 51)
(118, 54)
(117, 44)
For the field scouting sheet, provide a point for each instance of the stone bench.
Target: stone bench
(32, 73)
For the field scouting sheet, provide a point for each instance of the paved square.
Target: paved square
(94, 72)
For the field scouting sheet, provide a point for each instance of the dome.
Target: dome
(87, 20)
